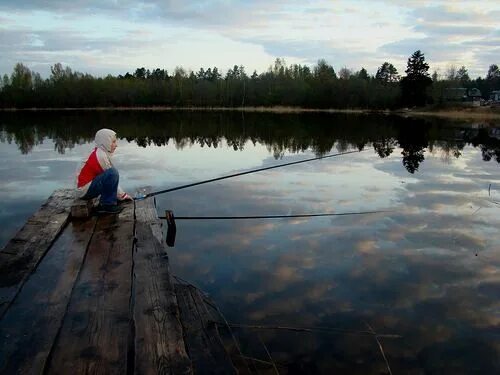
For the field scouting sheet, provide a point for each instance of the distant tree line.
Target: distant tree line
(281, 85)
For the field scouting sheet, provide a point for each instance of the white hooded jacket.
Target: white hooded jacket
(98, 161)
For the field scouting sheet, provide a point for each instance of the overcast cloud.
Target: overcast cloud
(101, 37)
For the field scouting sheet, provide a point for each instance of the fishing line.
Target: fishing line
(172, 227)
(168, 217)
(139, 197)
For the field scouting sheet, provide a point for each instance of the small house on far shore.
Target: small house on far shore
(468, 97)
(495, 96)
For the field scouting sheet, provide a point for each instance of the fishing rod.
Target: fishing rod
(172, 228)
(143, 196)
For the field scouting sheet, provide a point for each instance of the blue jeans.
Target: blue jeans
(105, 185)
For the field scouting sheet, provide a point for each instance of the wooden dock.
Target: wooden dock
(96, 296)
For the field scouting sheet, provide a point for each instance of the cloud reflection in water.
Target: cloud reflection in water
(413, 271)
(428, 270)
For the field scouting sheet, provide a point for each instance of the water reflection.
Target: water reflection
(280, 133)
(428, 270)
(413, 272)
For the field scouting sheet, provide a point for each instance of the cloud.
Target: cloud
(53, 41)
(452, 32)
(65, 6)
(246, 25)
(449, 35)
(298, 52)
(457, 15)
(124, 51)
(126, 35)
(429, 46)
(186, 13)
(476, 56)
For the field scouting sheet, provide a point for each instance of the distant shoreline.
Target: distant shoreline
(481, 113)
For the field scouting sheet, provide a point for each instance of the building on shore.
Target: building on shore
(467, 97)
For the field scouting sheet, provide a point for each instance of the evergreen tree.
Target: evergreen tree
(463, 75)
(414, 85)
(493, 77)
(324, 71)
(215, 76)
(493, 72)
(5, 81)
(363, 74)
(140, 73)
(387, 73)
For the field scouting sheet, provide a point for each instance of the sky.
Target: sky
(103, 37)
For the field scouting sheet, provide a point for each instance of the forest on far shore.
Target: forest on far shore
(281, 85)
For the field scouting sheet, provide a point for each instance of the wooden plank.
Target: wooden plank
(94, 336)
(21, 255)
(81, 208)
(196, 342)
(31, 323)
(128, 213)
(207, 317)
(206, 353)
(159, 343)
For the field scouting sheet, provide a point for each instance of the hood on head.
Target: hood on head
(104, 138)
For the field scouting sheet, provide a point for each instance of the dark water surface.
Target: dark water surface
(428, 270)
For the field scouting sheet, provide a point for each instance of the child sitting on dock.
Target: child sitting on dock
(98, 177)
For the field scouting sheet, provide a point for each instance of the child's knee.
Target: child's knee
(113, 173)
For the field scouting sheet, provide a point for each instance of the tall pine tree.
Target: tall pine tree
(414, 85)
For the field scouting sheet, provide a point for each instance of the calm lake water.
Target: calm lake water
(428, 270)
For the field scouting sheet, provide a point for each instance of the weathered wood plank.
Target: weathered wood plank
(207, 317)
(81, 208)
(31, 323)
(21, 255)
(128, 212)
(159, 343)
(204, 347)
(196, 342)
(94, 335)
